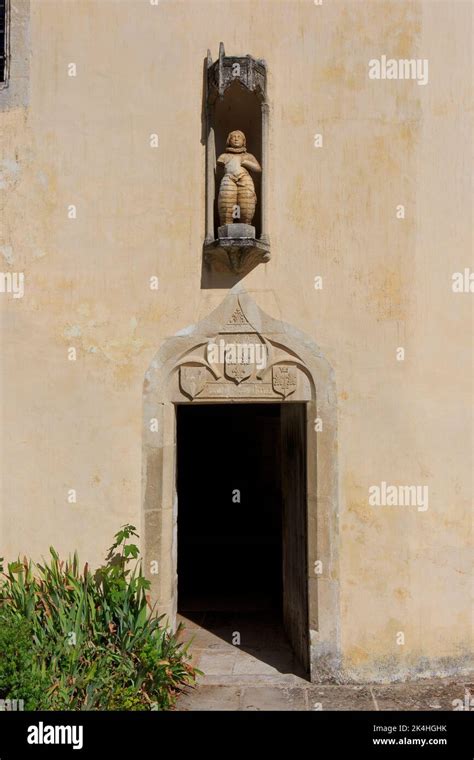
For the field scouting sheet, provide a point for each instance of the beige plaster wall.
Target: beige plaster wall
(84, 140)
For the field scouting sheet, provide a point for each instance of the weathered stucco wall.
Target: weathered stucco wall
(85, 140)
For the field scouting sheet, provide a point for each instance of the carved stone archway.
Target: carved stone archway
(186, 371)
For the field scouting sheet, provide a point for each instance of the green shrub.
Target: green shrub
(84, 641)
(20, 679)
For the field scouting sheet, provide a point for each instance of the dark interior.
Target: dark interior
(229, 553)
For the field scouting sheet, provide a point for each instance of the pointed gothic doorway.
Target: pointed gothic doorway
(242, 522)
(295, 557)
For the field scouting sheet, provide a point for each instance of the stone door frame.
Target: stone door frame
(295, 371)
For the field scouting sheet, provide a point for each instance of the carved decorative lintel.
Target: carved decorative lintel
(238, 362)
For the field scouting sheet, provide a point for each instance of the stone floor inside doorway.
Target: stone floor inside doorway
(261, 674)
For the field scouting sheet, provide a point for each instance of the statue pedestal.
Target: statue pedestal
(237, 253)
(236, 231)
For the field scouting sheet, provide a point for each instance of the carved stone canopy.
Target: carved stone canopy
(249, 72)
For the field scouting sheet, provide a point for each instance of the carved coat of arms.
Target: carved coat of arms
(239, 360)
(192, 380)
(284, 379)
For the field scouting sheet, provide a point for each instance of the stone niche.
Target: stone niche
(235, 100)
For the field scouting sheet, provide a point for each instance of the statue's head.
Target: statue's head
(236, 142)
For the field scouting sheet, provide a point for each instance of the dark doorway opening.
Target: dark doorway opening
(229, 507)
(242, 524)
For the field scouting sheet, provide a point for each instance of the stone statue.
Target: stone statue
(237, 188)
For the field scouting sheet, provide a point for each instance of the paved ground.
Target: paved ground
(261, 674)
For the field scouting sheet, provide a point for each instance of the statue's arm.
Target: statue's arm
(250, 162)
(222, 159)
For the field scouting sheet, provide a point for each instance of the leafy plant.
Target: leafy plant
(90, 641)
(19, 677)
